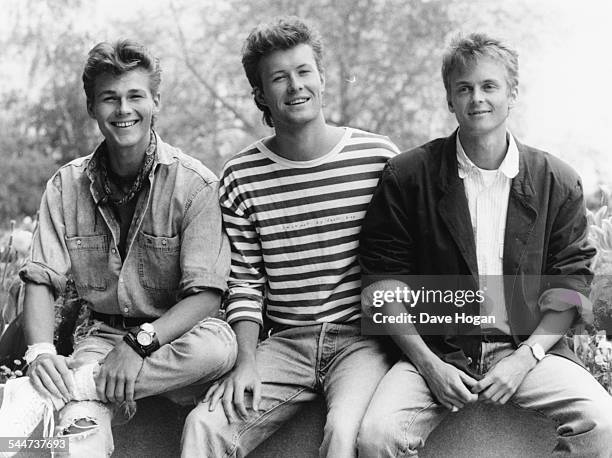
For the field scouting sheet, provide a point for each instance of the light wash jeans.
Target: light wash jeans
(403, 412)
(295, 365)
(179, 370)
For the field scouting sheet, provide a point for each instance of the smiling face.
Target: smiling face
(123, 107)
(292, 86)
(480, 97)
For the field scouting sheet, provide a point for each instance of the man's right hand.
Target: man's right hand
(50, 375)
(231, 388)
(449, 385)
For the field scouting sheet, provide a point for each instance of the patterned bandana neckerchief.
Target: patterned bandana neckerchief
(143, 173)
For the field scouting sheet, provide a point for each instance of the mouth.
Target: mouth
(124, 124)
(478, 112)
(298, 101)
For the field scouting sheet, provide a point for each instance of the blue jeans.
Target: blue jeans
(403, 411)
(179, 370)
(295, 365)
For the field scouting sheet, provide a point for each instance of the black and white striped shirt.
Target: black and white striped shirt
(294, 229)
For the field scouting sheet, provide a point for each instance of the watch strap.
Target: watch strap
(130, 339)
(142, 350)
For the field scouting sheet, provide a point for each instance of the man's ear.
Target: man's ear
(513, 97)
(450, 105)
(259, 98)
(156, 102)
(90, 111)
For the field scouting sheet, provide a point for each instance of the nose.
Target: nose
(477, 95)
(123, 106)
(295, 83)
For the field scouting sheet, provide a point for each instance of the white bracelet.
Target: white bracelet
(37, 349)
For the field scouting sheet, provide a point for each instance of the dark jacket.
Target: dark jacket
(418, 223)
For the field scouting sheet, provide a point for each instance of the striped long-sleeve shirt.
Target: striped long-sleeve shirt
(294, 230)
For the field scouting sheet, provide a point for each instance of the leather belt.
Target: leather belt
(117, 321)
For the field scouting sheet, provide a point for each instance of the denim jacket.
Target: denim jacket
(175, 246)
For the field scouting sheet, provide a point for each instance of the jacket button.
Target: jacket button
(79, 242)
(164, 242)
(469, 360)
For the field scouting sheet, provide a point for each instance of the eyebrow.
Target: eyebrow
(111, 92)
(299, 67)
(488, 80)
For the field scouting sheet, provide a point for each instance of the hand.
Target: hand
(231, 388)
(502, 380)
(51, 376)
(117, 377)
(449, 385)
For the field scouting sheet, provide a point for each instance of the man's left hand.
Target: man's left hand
(502, 380)
(118, 372)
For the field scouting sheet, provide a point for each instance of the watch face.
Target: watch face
(144, 338)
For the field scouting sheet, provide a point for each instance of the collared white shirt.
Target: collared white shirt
(487, 193)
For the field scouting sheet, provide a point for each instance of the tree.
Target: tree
(382, 71)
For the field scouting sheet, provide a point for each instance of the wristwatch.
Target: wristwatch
(145, 334)
(143, 339)
(536, 350)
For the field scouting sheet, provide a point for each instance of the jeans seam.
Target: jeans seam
(257, 421)
(409, 425)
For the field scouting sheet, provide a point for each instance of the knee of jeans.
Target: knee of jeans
(218, 354)
(88, 429)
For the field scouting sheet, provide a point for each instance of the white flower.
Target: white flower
(22, 240)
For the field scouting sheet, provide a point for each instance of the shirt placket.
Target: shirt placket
(480, 230)
(125, 281)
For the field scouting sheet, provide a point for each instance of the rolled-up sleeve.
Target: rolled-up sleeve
(49, 261)
(205, 253)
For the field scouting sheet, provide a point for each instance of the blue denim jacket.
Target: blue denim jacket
(175, 246)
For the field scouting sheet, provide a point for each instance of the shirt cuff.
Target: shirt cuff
(244, 310)
(562, 299)
(40, 274)
(194, 285)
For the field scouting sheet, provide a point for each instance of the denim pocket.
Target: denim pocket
(89, 256)
(159, 265)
